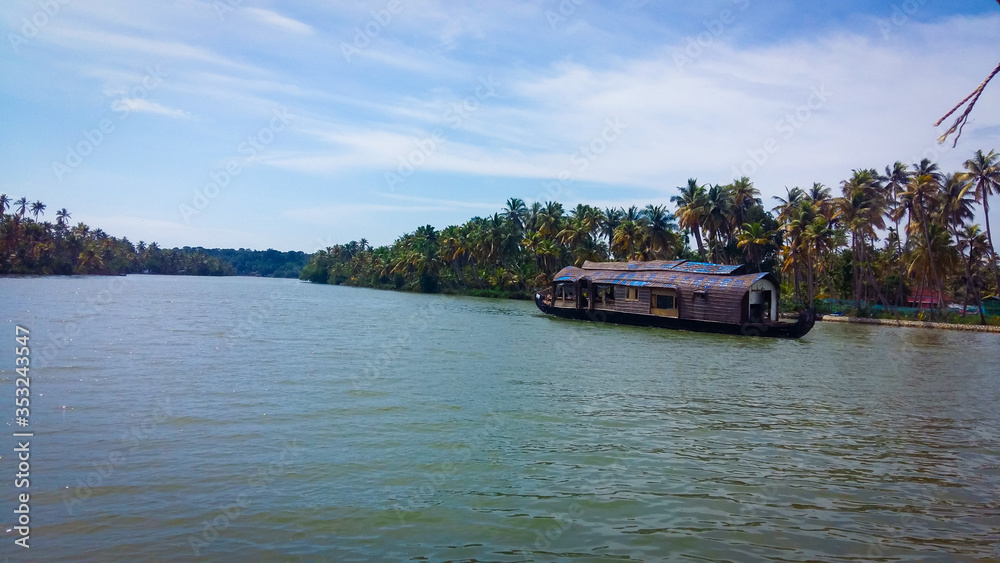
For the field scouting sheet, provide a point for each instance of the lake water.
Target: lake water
(178, 418)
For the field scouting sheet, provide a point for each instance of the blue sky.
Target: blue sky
(297, 125)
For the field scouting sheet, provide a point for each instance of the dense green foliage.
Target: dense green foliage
(266, 263)
(31, 246)
(888, 236)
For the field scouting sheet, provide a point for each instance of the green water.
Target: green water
(254, 419)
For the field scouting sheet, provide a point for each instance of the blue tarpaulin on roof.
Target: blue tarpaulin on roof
(660, 278)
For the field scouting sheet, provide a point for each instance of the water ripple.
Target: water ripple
(273, 420)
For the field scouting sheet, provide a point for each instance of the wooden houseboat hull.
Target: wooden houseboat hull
(675, 294)
(796, 329)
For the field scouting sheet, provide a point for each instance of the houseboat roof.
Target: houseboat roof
(696, 276)
(666, 266)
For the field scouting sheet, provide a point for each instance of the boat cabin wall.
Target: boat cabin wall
(715, 306)
(712, 305)
(639, 305)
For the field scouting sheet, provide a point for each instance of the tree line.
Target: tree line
(29, 245)
(889, 235)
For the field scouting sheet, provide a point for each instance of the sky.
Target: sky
(299, 125)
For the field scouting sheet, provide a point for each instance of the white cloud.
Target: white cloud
(140, 105)
(277, 20)
(169, 233)
(129, 46)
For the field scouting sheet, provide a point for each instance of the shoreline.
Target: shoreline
(908, 324)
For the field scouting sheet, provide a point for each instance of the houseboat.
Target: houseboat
(672, 294)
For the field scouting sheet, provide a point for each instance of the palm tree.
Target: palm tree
(22, 204)
(4, 204)
(928, 167)
(692, 208)
(788, 205)
(574, 233)
(983, 171)
(628, 237)
(922, 196)
(896, 177)
(632, 214)
(590, 216)
(819, 193)
(862, 210)
(818, 239)
(934, 255)
(956, 203)
(753, 238)
(63, 217)
(745, 196)
(589, 249)
(718, 219)
(548, 251)
(550, 219)
(612, 218)
(791, 211)
(971, 239)
(516, 212)
(37, 208)
(659, 226)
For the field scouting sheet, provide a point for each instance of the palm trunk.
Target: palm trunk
(930, 264)
(968, 282)
(810, 282)
(697, 238)
(878, 289)
(899, 257)
(796, 276)
(989, 237)
(979, 303)
(920, 292)
(863, 272)
(856, 271)
(872, 281)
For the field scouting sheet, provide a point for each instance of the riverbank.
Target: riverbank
(909, 324)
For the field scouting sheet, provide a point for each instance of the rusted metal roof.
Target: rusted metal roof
(666, 265)
(667, 279)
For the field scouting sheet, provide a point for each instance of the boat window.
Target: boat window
(604, 294)
(664, 303)
(564, 293)
(632, 294)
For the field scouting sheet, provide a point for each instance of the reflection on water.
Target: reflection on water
(273, 420)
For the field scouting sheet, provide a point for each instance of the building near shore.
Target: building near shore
(991, 306)
(926, 299)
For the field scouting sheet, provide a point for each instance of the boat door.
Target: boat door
(763, 305)
(583, 294)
